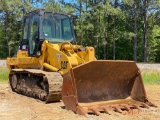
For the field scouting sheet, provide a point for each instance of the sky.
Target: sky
(39, 5)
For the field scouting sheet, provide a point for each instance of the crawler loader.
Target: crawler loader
(50, 66)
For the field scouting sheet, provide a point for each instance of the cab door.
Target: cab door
(25, 34)
(33, 34)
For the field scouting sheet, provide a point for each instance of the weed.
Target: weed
(4, 72)
(151, 78)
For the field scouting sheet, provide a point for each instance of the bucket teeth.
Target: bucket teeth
(118, 109)
(110, 109)
(151, 104)
(80, 111)
(95, 110)
(126, 107)
(107, 110)
(136, 106)
(145, 105)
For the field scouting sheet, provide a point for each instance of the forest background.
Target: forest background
(117, 29)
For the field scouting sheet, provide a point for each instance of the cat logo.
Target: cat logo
(64, 64)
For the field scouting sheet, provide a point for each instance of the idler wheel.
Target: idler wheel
(14, 81)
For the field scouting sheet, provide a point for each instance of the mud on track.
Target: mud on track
(17, 107)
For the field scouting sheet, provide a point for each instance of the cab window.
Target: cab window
(33, 34)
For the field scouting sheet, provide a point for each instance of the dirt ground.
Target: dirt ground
(17, 107)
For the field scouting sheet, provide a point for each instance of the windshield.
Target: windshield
(57, 28)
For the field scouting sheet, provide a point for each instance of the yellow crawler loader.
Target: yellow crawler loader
(49, 66)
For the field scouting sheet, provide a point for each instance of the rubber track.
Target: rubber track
(54, 80)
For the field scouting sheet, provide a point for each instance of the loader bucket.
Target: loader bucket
(104, 86)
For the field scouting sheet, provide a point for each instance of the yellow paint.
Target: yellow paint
(55, 57)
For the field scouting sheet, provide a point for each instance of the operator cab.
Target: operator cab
(43, 25)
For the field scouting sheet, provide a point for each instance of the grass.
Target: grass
(4, 75)
(151, 78)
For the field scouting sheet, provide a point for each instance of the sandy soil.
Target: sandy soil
(17, 107)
